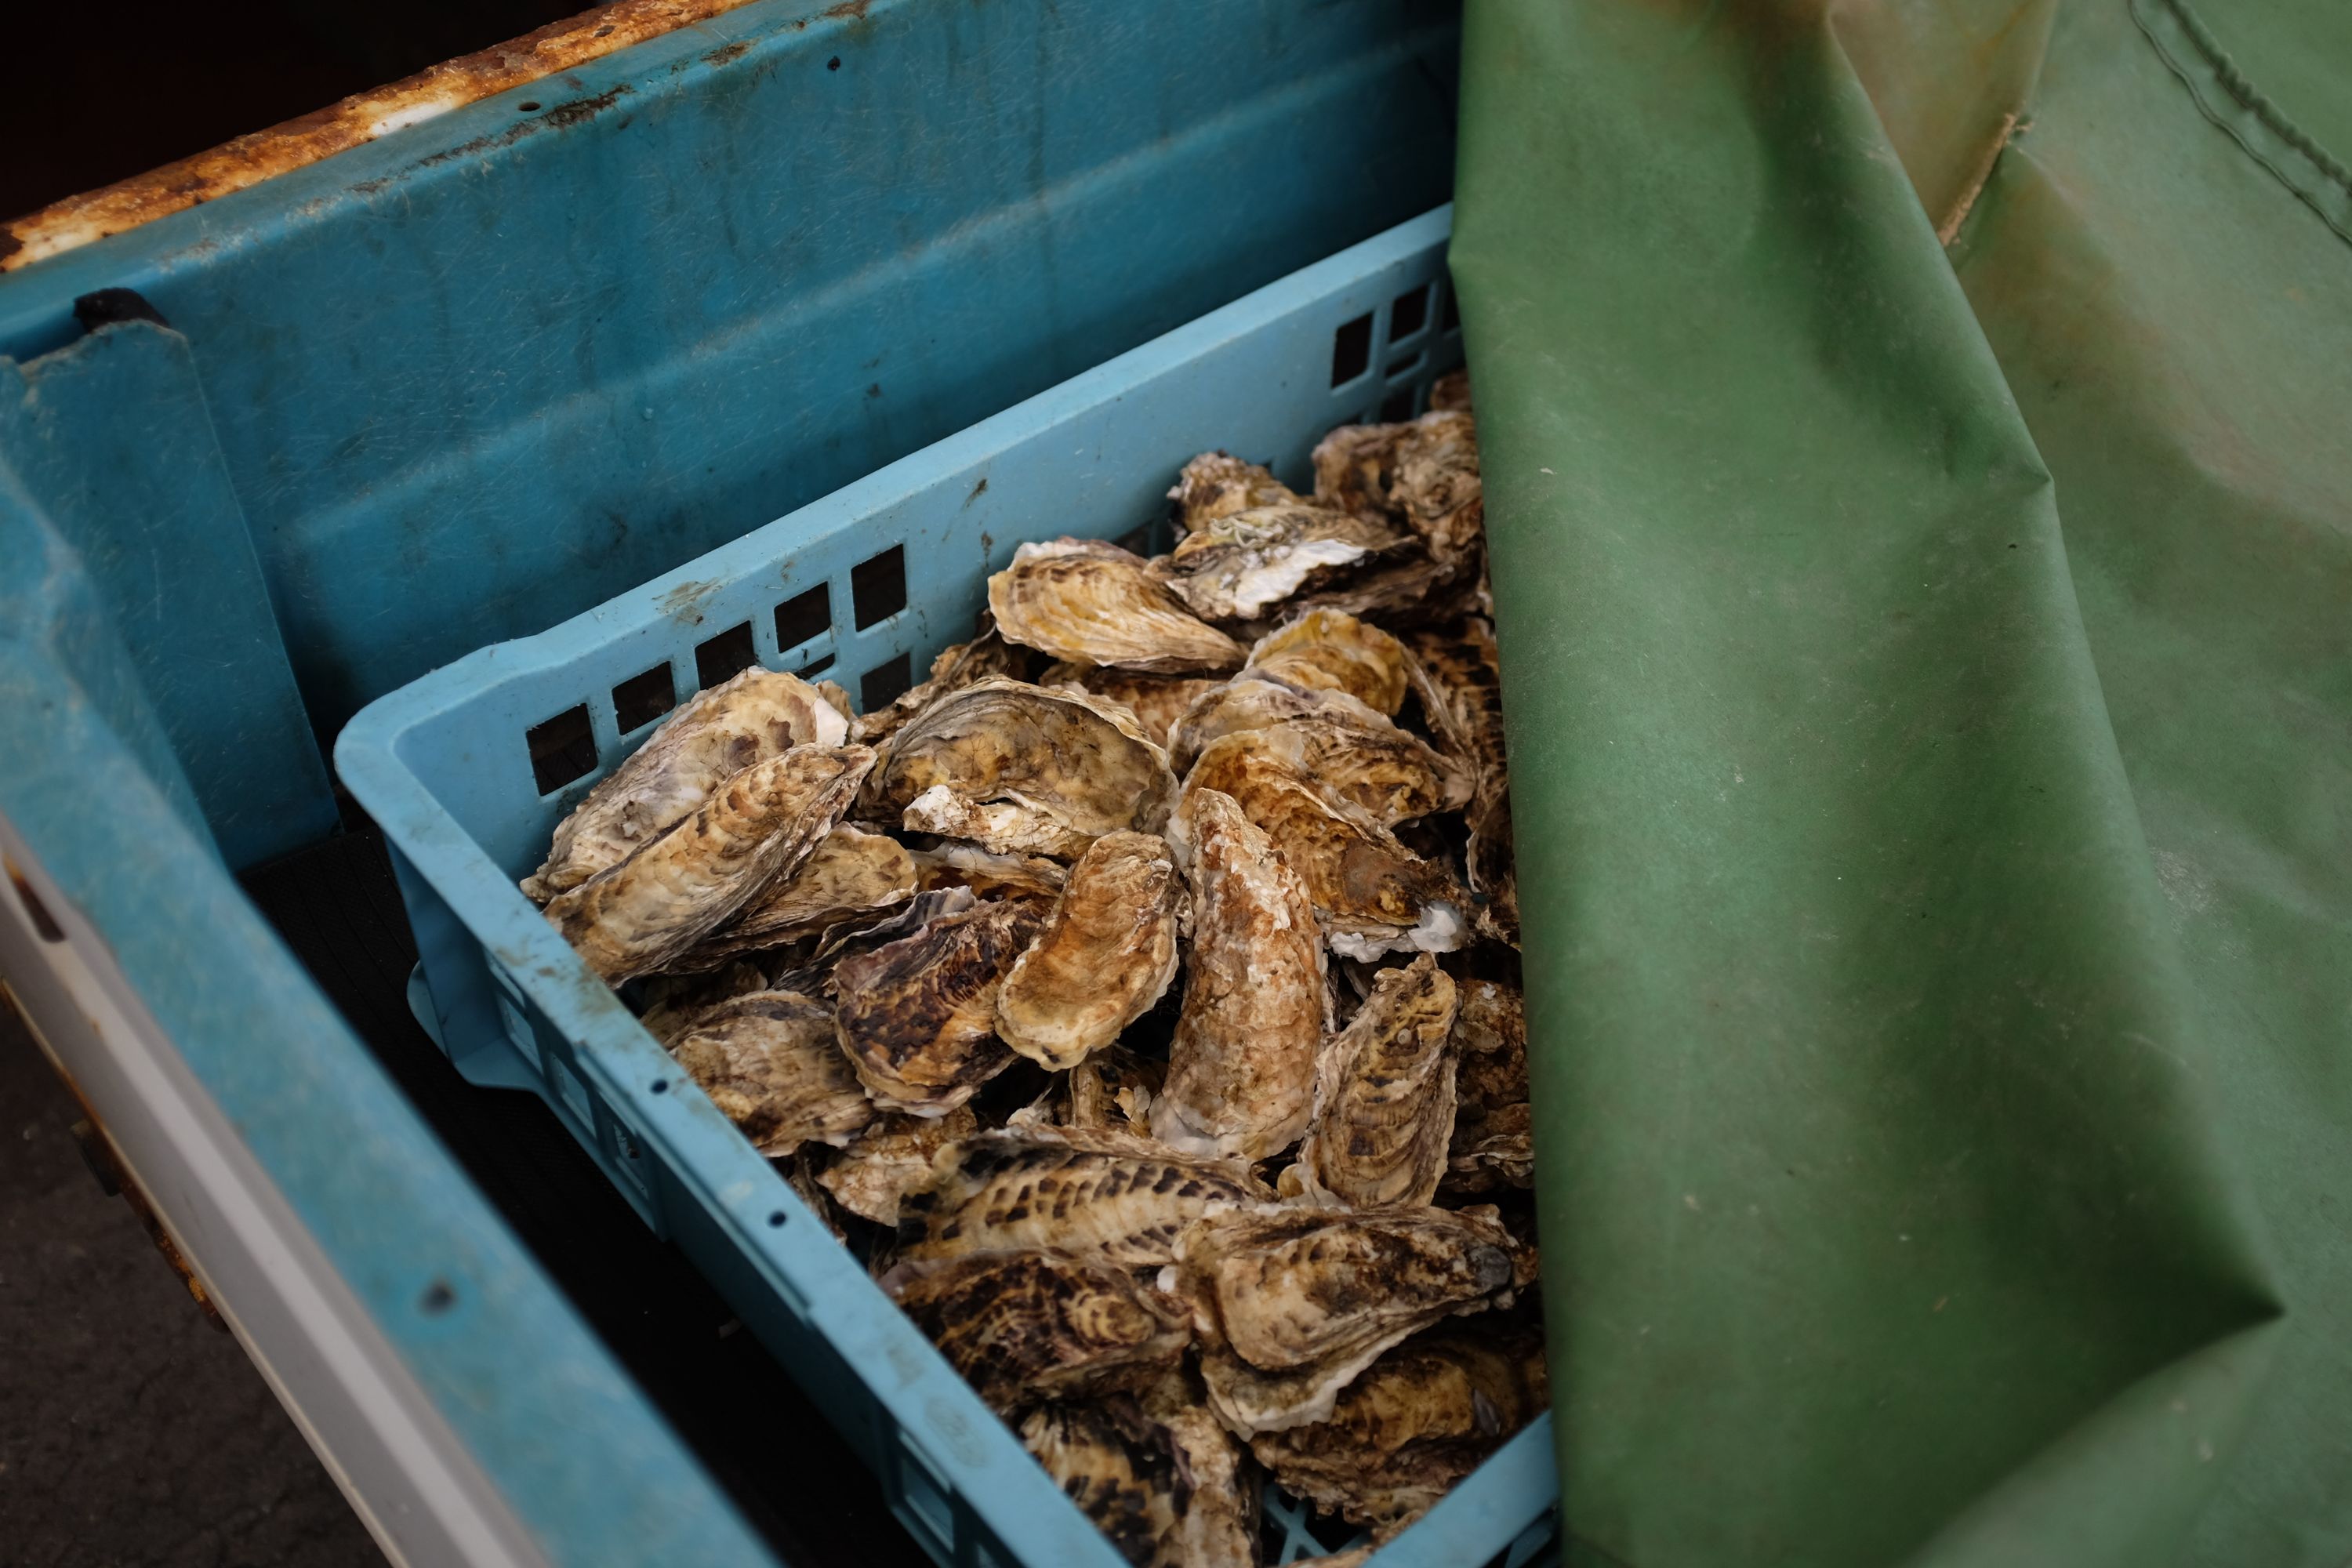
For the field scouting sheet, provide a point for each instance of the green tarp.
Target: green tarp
(1918, 451)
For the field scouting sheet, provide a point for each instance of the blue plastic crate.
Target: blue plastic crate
(900, 560)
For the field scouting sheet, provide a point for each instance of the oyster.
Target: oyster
(769, 1062)
(1248, 702)
(990, 874)
(852, 872)
(988, 656)
(1498, 1150)
(757, 715)
(1217, 1512)
(1389, 775)
(1290, 1306)
(1156, 701)
(1242, 565)
(651, 909)
(1105, 958)
(1072, 767)
(812, 968)
(1011, 826)
(916, 1014)
(1168, 1495)
(671, 1000)
(892, 1159)
(801, 1176)
(1371, 894)
(1114, 1194)
(1464, 690)
(1493, 1142)
(1241, 1068)
(1114, 1087)
(1084, 600)
(1423, 475)
(1384, 1096)
(1450, 392)
(1493, 874)
(1217, 484)
(1333, 652)
(1022, 1327)
(1414, 1424)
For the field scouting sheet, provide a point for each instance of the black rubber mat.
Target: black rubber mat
(767, 1446)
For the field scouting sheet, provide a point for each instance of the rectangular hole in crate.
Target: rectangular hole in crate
(1452, 321)
(927, 1496)
(1397, 406)
(727, 654)
(877, 586)
(562, 750)
(1351, 349)
(1406, 365)
(814, 667)
(882, 685)
(804, 616)
(1409, 315)
(642, 699)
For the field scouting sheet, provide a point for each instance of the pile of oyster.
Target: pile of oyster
(1139, 994)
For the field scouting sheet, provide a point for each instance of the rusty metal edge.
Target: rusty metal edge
(363, 118)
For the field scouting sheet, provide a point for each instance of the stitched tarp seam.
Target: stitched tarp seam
(2225, 95)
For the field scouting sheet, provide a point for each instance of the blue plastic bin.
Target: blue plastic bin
(444, 764)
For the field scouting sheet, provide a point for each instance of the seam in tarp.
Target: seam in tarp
(2225, 95)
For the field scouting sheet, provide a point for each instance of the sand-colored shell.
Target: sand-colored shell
(891, 1159)
(988, 874)
(1389, 774)
(1115, 1194)
(1010, 827)
(1118, 1468)
(671, 1000)
(1250, 703)
(1217, 1512)
(1498, 1150)
(1334, 652)
(1084, 600)
(987, 656)
(1462, 670)
(1241, 1068)
(1114, 1087)
(1384, 1097)
(1069, 762)
(748, 719)
(1369, 892)
(1028, 1326)
(769, 1062)
(918, 1014)
(1290, 1307)
(653, 908)
(1414, 1424)
(1423, 475)
(851, 873)
(1156, 701)
(810, 967)
(1106, 956)
(1494, 1126)
(1494, 875)
(1450, 392)
(1217, 484)
(1242, 567)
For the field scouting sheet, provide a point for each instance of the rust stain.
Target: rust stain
(249, 159)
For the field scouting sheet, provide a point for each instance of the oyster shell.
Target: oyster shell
(1114, 1089)
(1241, 1068)
(800, 1175)
(1463, 675)
(1493, 1144)
(953, 865)
(1084, 600)
(1070, 765)
(1009, 826)
(1095, 1193)
(1248, 702)
(1167, 1496)
(1450, 392)
(1290, 1306)
(1384, 1094)
(1389, 775)
(1217, 484)
(850, 873)
(1423, 475)
(1333, 652)
(1106, 956)
(811, 968)
(1242, 565)
(1022, 1326)
(1492, 873)
(1217, 1513)
(1156, 701)
(769, 1062)
(653, 908)
(1414, 1424)
(916, 1015)
(1371, 894)
(671, 1000)
(1496, 1150)
(987, 656)
(891, 1159)
(719, 733)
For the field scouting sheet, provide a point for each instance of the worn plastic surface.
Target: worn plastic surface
(1931, 722)
(444, 766)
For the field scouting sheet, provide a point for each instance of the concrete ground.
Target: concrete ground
(133, 1432)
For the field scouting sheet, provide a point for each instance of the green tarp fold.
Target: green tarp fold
(1918, 451)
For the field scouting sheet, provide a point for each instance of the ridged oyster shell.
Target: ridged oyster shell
(1240, 566)
(769, 1062)
(1084, 600)
(1384, 1096)
(1106, 956)
(1218, 484)
(918, 1015)
(1026, 1326)
(850, 872)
